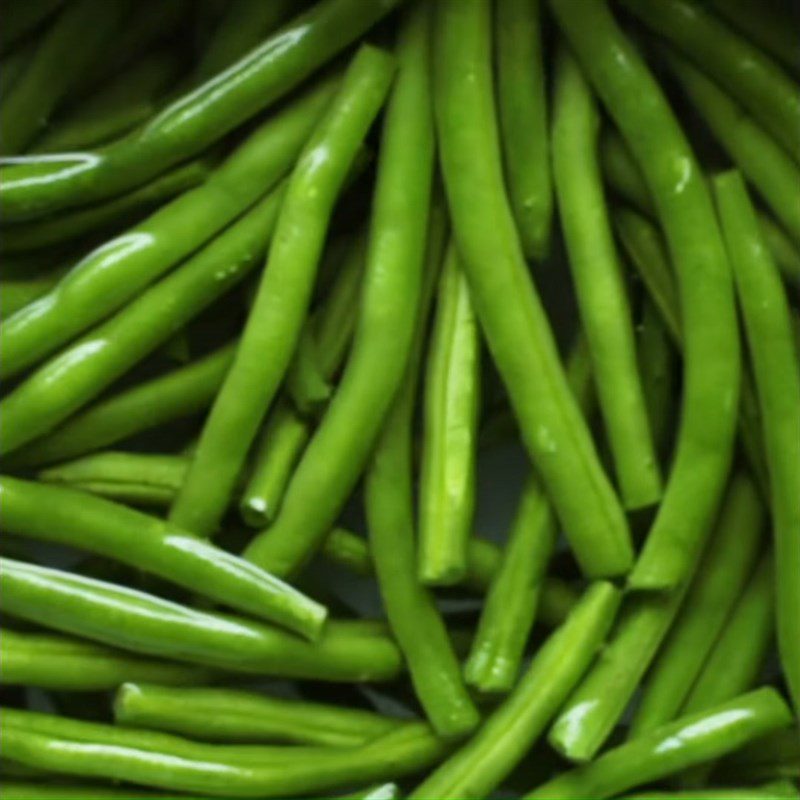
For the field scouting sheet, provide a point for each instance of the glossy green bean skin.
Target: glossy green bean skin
(597, 704)
(727, 564)
(768, 326)
(738, 654)
(600, 286)
(63, 664)
(740, 67)
(765, 164)
(672, 747)
(509, 310)
(175, 394)
(118, 270)
(56, 514)
(712, 364)
(508, 733)
(522, 102)
(90, 364)
(517, 587)
(142, 623)
(450, 431)
(338, 451)
(284, 293)
(69, 48)
(22, 18)
(72, 225)
(195, 120)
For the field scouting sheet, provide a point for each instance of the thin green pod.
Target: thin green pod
(56, 514)
(116, 271)
(20, 790)
(226, 715)
(712, 363)
(511, 315)
(770, 336)
(71, 665)
(522, 102)
(93, 362)
(783, 250)
(132, 620)
(508, 733)
(450, 431)
(673, 747)
(284, 293)
(600, 286)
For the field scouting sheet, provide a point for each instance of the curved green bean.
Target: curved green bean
(600, 287)
(63, 664)
(193, 121)
(768, 327)
(480, 765)
(118, 270)
(509, 310)
(712, 363)
(284, 293)
(522, 102)
(132, 620)
(740, 67)
(55, 514)
(672, 747)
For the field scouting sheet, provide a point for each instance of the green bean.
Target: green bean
(772, 757)
(22, 18)
(90, 364)
(224, 715)
(738, 653)
(672, 747)
(622, 173)
(56, 514)
(600, 287)
(508, 307)
(712, 363)
(19, 790)
(15, 63)
(770, 791)
(765, 164)
(339, 450)
(385, 791)
(17, 293)
(193, 121)
(118, 270)
(508, 733)
(63, 664)
(726, 567)
(768, 327)
(597, 704)
(69, 48)
(517, 587)
(449, 449)
(284, 293)
(783, 250)
(175, 394)
(523, 116)
(115, 108)
(736, 64)
(132, 620)
(218, 769)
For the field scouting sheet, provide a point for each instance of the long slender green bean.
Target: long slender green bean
(768, 326)
(449, 449)
(72, 665)
(20, 790)
(600, 287)
(672, 747)
(226, 715)
(284, 293)
(740, 67)
(55, 514)
(510, 312)
(522, 101)
(94, 361)
(712, 362)
(480, 765)
(132, 620)
(118, 270)
(193, 121)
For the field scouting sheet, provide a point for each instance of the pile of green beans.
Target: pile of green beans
(400, 398)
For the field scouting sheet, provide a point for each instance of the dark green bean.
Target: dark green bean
(22, 18)
(769, 791)
(772, 757)
(17, 293)
(14, 64)
(783, 250)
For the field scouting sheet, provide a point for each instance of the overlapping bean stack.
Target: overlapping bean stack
(400, 399)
